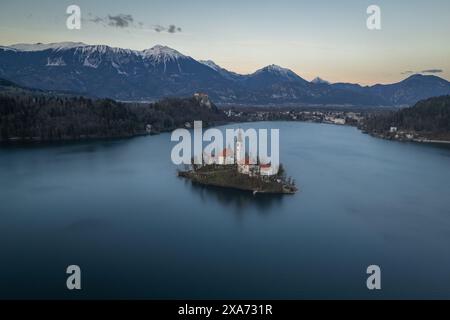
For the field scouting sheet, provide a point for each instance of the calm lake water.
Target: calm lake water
(117, 209)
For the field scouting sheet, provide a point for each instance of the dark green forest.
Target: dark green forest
(49, 117)
(430, 118)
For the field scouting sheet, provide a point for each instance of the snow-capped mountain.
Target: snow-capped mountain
(43, 46)
(277, 73)
(274, 83)
(161, 54)
(230, 75)
(160, 71)
(103, 71)
(211, 64)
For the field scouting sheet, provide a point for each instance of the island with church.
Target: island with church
(227, 170)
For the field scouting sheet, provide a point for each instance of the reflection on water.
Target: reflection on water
(237, 200)
(79, 147)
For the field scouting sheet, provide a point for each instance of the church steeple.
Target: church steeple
(239, 156)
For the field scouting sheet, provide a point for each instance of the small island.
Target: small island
(229, 176)
(227, 170)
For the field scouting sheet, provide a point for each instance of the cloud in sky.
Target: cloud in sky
(433, 71)
(123, 21)
(158, 28)
(170, 29)
(424, 71)
(173, 28)
(97, 20)
(120, 20)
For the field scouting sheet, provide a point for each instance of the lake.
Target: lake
(117, 209)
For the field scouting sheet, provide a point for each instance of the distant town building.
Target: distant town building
(339, 121)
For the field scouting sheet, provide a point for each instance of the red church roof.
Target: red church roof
(226, 153)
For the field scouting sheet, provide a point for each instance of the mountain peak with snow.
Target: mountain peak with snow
(161, 53)
(211, 64)
(230, 75)
(276, 71)
(158, 52)
(30, 47)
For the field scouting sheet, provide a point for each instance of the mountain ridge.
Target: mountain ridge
(160, 71)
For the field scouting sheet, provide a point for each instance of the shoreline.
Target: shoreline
(37, 141)
(415, 140)
(431, 141)
(227, 179)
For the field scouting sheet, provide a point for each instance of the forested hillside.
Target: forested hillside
(428, 118)
(46, 117)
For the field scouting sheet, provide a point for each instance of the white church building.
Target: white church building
(245, 164)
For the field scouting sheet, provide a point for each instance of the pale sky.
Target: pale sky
(313, 38)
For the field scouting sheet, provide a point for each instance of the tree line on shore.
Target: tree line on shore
(429, 117)
(48, 117)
